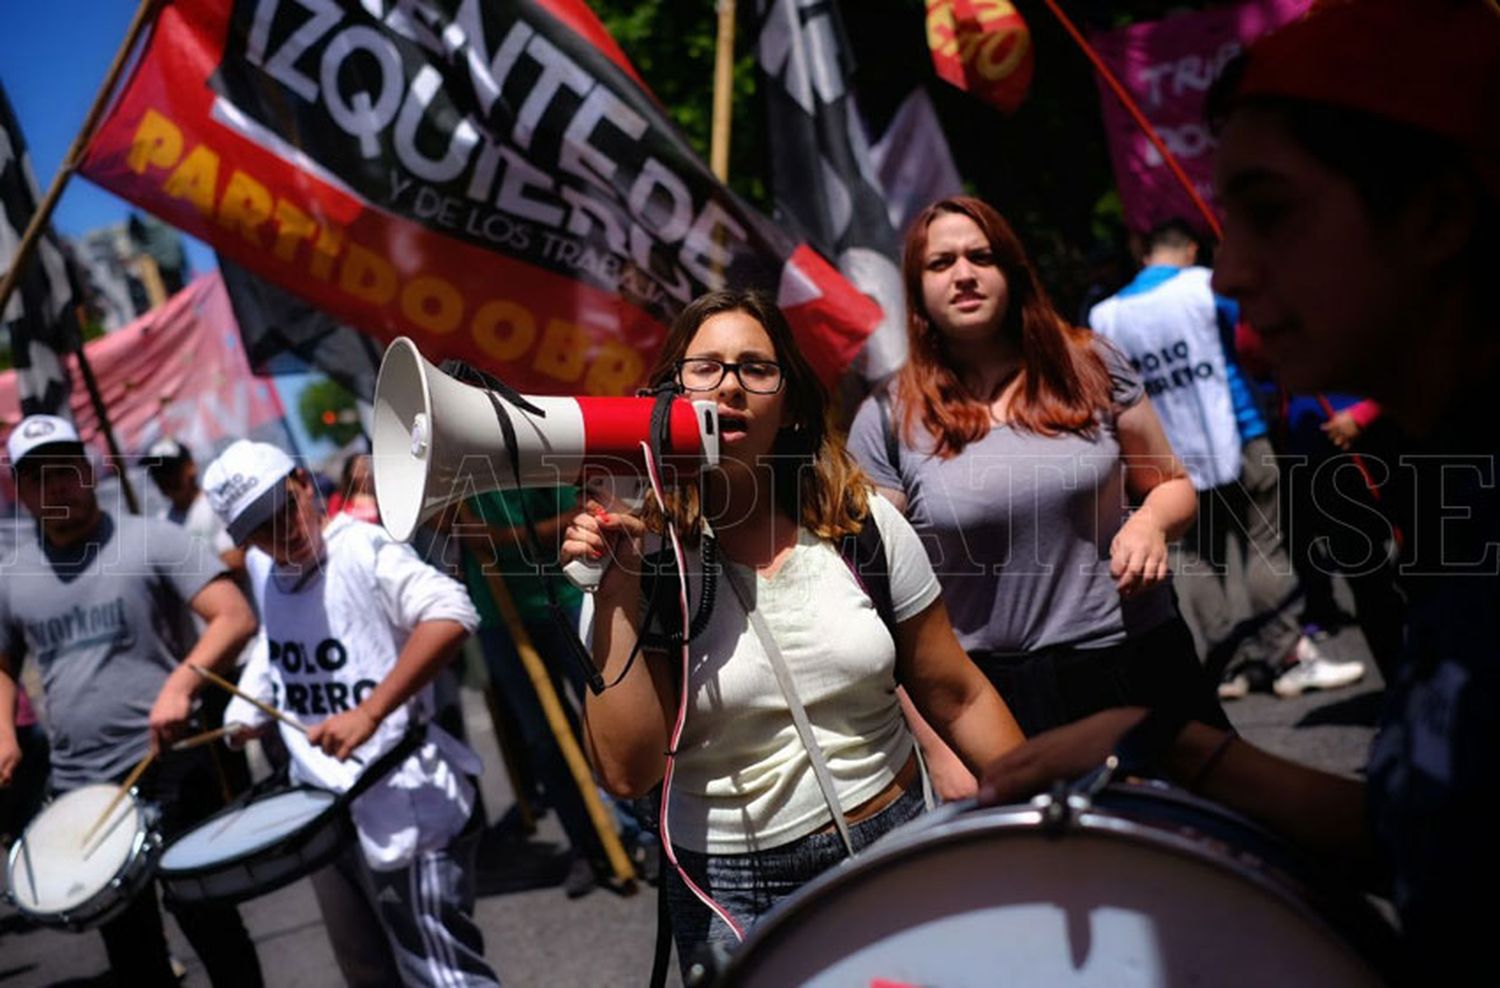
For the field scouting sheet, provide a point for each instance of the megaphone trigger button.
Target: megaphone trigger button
(419, 435)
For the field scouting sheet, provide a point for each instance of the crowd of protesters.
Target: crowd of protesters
(1089, 534)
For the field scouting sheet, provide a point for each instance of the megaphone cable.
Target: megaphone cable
(683, 692)
(494, 389)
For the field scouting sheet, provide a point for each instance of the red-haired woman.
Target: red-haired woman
(1015, 444)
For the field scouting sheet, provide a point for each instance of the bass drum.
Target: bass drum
(1140, 885)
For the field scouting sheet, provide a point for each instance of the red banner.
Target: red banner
(493, 181)
(177, 371)
(982, 47)
(1168, 66)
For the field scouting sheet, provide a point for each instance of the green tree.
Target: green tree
(672, 44)
(328, 411)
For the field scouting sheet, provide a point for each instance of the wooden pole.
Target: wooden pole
(562, 731)
(718, 153)
(33, 234)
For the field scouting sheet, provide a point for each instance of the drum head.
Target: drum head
(990, 896)
(51, 870)
(245, 830)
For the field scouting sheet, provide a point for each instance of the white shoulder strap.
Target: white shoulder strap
(794, 702)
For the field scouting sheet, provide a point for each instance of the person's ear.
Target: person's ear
(1437, 224)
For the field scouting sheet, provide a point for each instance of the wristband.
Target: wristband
(1214, 754)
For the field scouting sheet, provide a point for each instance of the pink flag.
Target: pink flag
(1168, 66)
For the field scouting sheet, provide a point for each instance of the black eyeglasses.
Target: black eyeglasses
(760, 377)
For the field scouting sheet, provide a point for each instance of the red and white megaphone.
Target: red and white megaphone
(437, 440)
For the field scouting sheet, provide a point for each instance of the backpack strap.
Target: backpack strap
(864, 554)
(888, 428)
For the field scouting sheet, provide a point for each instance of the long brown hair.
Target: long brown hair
(814, 479)
(1064, 383)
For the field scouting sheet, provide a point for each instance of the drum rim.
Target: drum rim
(335, 812)
(144, 848)
(1350, 920)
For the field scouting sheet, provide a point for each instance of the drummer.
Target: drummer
(103, 602)
(355, 628)
(1359, 166)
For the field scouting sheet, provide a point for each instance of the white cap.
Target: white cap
(36, 431)
(166, 448)
(244, 485)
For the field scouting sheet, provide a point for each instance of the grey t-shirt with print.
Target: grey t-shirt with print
(1018, 527)
(106, 623)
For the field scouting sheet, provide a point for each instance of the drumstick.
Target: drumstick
(130, 780)
(206, 736)
(261, 705)
(220, 681)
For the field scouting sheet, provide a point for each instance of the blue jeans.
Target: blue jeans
(749, 885)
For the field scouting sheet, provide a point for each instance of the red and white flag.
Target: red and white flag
(490, 178)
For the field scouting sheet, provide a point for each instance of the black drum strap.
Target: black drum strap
(386, 763)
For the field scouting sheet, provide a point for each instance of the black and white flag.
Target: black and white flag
(274, 322)
(913, 160)
(823, 181)
(40, 316)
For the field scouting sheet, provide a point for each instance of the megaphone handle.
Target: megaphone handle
(585, 574)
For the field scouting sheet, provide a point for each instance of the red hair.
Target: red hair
(1064, 383)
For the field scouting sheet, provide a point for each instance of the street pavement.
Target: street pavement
(535, 936)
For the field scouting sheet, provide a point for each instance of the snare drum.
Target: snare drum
(249, 850)
(1141, 885)
(56, 878)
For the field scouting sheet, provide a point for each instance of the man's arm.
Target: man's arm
(10, 748)
(440, 615)
(228, 625)
(432, 645)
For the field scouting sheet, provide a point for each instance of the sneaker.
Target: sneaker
(581, 878)
(1311, 670)
(1317, 633)
(1236, 687)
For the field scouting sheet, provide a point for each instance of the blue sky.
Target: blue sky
(53, 56)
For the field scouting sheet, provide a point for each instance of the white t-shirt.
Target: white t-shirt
(744, 781)
(1171, 335)
(324, 645)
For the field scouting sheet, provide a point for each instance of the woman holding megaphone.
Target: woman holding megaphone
(794, 752)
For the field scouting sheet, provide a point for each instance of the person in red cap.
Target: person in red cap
(1359, 168)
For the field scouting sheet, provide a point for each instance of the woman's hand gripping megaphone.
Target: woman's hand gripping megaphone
(607, 529)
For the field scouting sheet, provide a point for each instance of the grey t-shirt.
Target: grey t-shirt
(106, 623)
(1018, 527)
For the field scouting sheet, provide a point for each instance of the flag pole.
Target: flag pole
(71, 160)
(718, 153)
(33, 235)
(1132, 108)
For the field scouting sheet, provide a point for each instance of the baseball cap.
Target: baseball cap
(37, 433)
(245, 486)
(166, 449)
(1430, 64)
